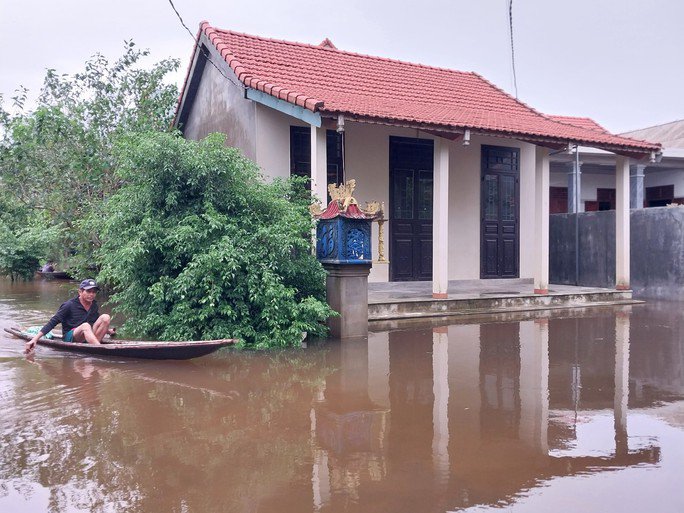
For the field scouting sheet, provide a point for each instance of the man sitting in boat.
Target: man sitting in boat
(80, 318)
(49, 267)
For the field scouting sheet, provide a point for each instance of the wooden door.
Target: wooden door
(411, 176)
(500, 210)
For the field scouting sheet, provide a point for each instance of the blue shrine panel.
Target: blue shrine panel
(344, 241)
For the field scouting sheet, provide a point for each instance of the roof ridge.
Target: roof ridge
(571, 117)
(337, 50)
(602, 128)
(461, 99)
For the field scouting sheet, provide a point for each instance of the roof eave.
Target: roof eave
(451, 132)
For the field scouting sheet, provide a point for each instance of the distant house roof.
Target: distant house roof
(323, 79)
(670, 135)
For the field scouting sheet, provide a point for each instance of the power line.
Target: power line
(206, 55)
(510, 24)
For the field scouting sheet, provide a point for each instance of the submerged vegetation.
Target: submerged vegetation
(197, 245)
(193, 243)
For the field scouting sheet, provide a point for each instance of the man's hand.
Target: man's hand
(111, 331)
(31, 344)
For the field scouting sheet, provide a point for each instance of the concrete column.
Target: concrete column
(534, 384)
(379, 368)
(622, 325)
(636, 185)
(464, 378)
(541, 221)
(347, 293)
(622, 223)
(574, 187)
(440, 406)
(320, 474)
(440, 220)
(319, 164)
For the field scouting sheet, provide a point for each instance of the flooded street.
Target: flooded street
(569, 411)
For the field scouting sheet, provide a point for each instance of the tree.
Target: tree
(197, 246)
(57, 159)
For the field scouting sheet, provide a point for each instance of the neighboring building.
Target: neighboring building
(653, 184)
(462, 167)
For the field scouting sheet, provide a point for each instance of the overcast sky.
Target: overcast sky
(616, 61)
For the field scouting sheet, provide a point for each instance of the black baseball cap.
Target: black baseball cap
(88, 284)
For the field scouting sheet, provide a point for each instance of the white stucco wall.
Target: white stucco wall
(464, 199)
(367, 161)
(591, 182)
(558, 179)
(273, 141)
(658, 178)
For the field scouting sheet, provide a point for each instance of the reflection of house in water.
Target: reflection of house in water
(470, 414)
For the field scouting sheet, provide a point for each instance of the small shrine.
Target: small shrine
(343, 233)
(343, 246)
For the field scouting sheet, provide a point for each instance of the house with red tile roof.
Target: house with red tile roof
(652, 183)
(462, 167)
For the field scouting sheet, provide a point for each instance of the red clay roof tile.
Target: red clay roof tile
(322, 78)
(580, 121)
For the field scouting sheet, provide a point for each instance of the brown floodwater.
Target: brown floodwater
(567, 411)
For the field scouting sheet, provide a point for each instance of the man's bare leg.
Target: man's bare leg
(92, 335)
(101, 326)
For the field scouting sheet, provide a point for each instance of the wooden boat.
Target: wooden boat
(54, 275)
(133, 348)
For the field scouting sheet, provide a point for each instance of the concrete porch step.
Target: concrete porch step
(412, 308)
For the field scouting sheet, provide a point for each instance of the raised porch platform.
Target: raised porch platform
(413, 300)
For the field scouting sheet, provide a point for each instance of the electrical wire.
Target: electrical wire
(205, 54)
(510, 24)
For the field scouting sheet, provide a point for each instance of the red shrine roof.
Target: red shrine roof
(352, 212)
(324, 79)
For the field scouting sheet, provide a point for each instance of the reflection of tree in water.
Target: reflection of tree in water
(217, 436)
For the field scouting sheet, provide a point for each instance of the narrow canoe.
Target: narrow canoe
(133, 348)
(54, 275)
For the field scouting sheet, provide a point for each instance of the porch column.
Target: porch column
(440, 405)
(534, 384)
(319, 165)
(379, 368)
(622, 223)
(636, 185)
(541, 221)
(440, 221)
(320, 473)
(622, 325)
(574, 186)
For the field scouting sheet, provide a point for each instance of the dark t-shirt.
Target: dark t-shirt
(72, 314)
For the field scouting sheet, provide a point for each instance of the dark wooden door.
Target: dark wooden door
(500, 210)
(411, 175)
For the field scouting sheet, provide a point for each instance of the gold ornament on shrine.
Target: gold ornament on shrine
(342, 198)
(343, 195)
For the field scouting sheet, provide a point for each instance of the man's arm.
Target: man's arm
(31, 344)
(56, 319)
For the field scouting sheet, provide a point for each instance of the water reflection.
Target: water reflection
(524, 414)
(475, 414)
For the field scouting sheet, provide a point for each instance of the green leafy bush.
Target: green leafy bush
(197, 246)
(24, 249)
(57, 159)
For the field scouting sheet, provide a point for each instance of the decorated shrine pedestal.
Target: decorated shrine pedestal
(343, 246)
